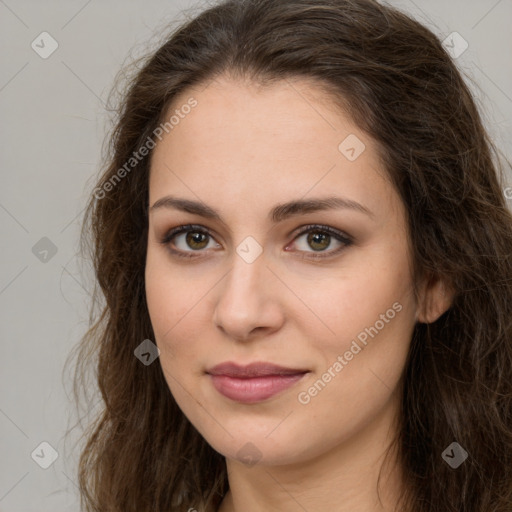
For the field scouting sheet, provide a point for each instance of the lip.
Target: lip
(255, 382)
(257, 369)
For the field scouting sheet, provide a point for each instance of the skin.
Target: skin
(242, 150)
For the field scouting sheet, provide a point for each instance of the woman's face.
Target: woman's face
(298, 257)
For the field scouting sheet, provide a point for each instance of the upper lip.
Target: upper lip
(258, 369)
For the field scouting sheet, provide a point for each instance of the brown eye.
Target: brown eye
(196, 240)
(187, 240)
(319, 241)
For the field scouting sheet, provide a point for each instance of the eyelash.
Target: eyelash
(338, 235)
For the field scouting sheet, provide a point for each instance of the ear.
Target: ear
(436, 297)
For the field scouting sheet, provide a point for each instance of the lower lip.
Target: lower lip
(254, 389)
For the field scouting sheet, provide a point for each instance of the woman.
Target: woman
(304, 246)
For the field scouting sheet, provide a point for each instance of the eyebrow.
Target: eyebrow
(278, 213)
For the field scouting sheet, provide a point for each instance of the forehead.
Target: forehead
(294, 110)
(284, 139)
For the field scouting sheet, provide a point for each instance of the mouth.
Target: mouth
(255, 382)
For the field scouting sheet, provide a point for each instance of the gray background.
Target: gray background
(53, 124)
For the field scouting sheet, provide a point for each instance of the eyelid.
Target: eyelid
(321, 227)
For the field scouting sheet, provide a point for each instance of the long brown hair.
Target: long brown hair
(401, 87)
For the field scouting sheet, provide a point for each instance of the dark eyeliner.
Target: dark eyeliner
(345, 239)
(167, 238)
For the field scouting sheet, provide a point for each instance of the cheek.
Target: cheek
(373, 338)
(177, 303)
(167, 298)
(351, 300)
(168, 294)
(170, 306)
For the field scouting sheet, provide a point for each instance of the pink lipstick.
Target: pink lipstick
(253, 383)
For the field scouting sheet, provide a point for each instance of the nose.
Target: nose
(248, 301)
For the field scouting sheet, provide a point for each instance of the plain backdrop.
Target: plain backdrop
(53, 123)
